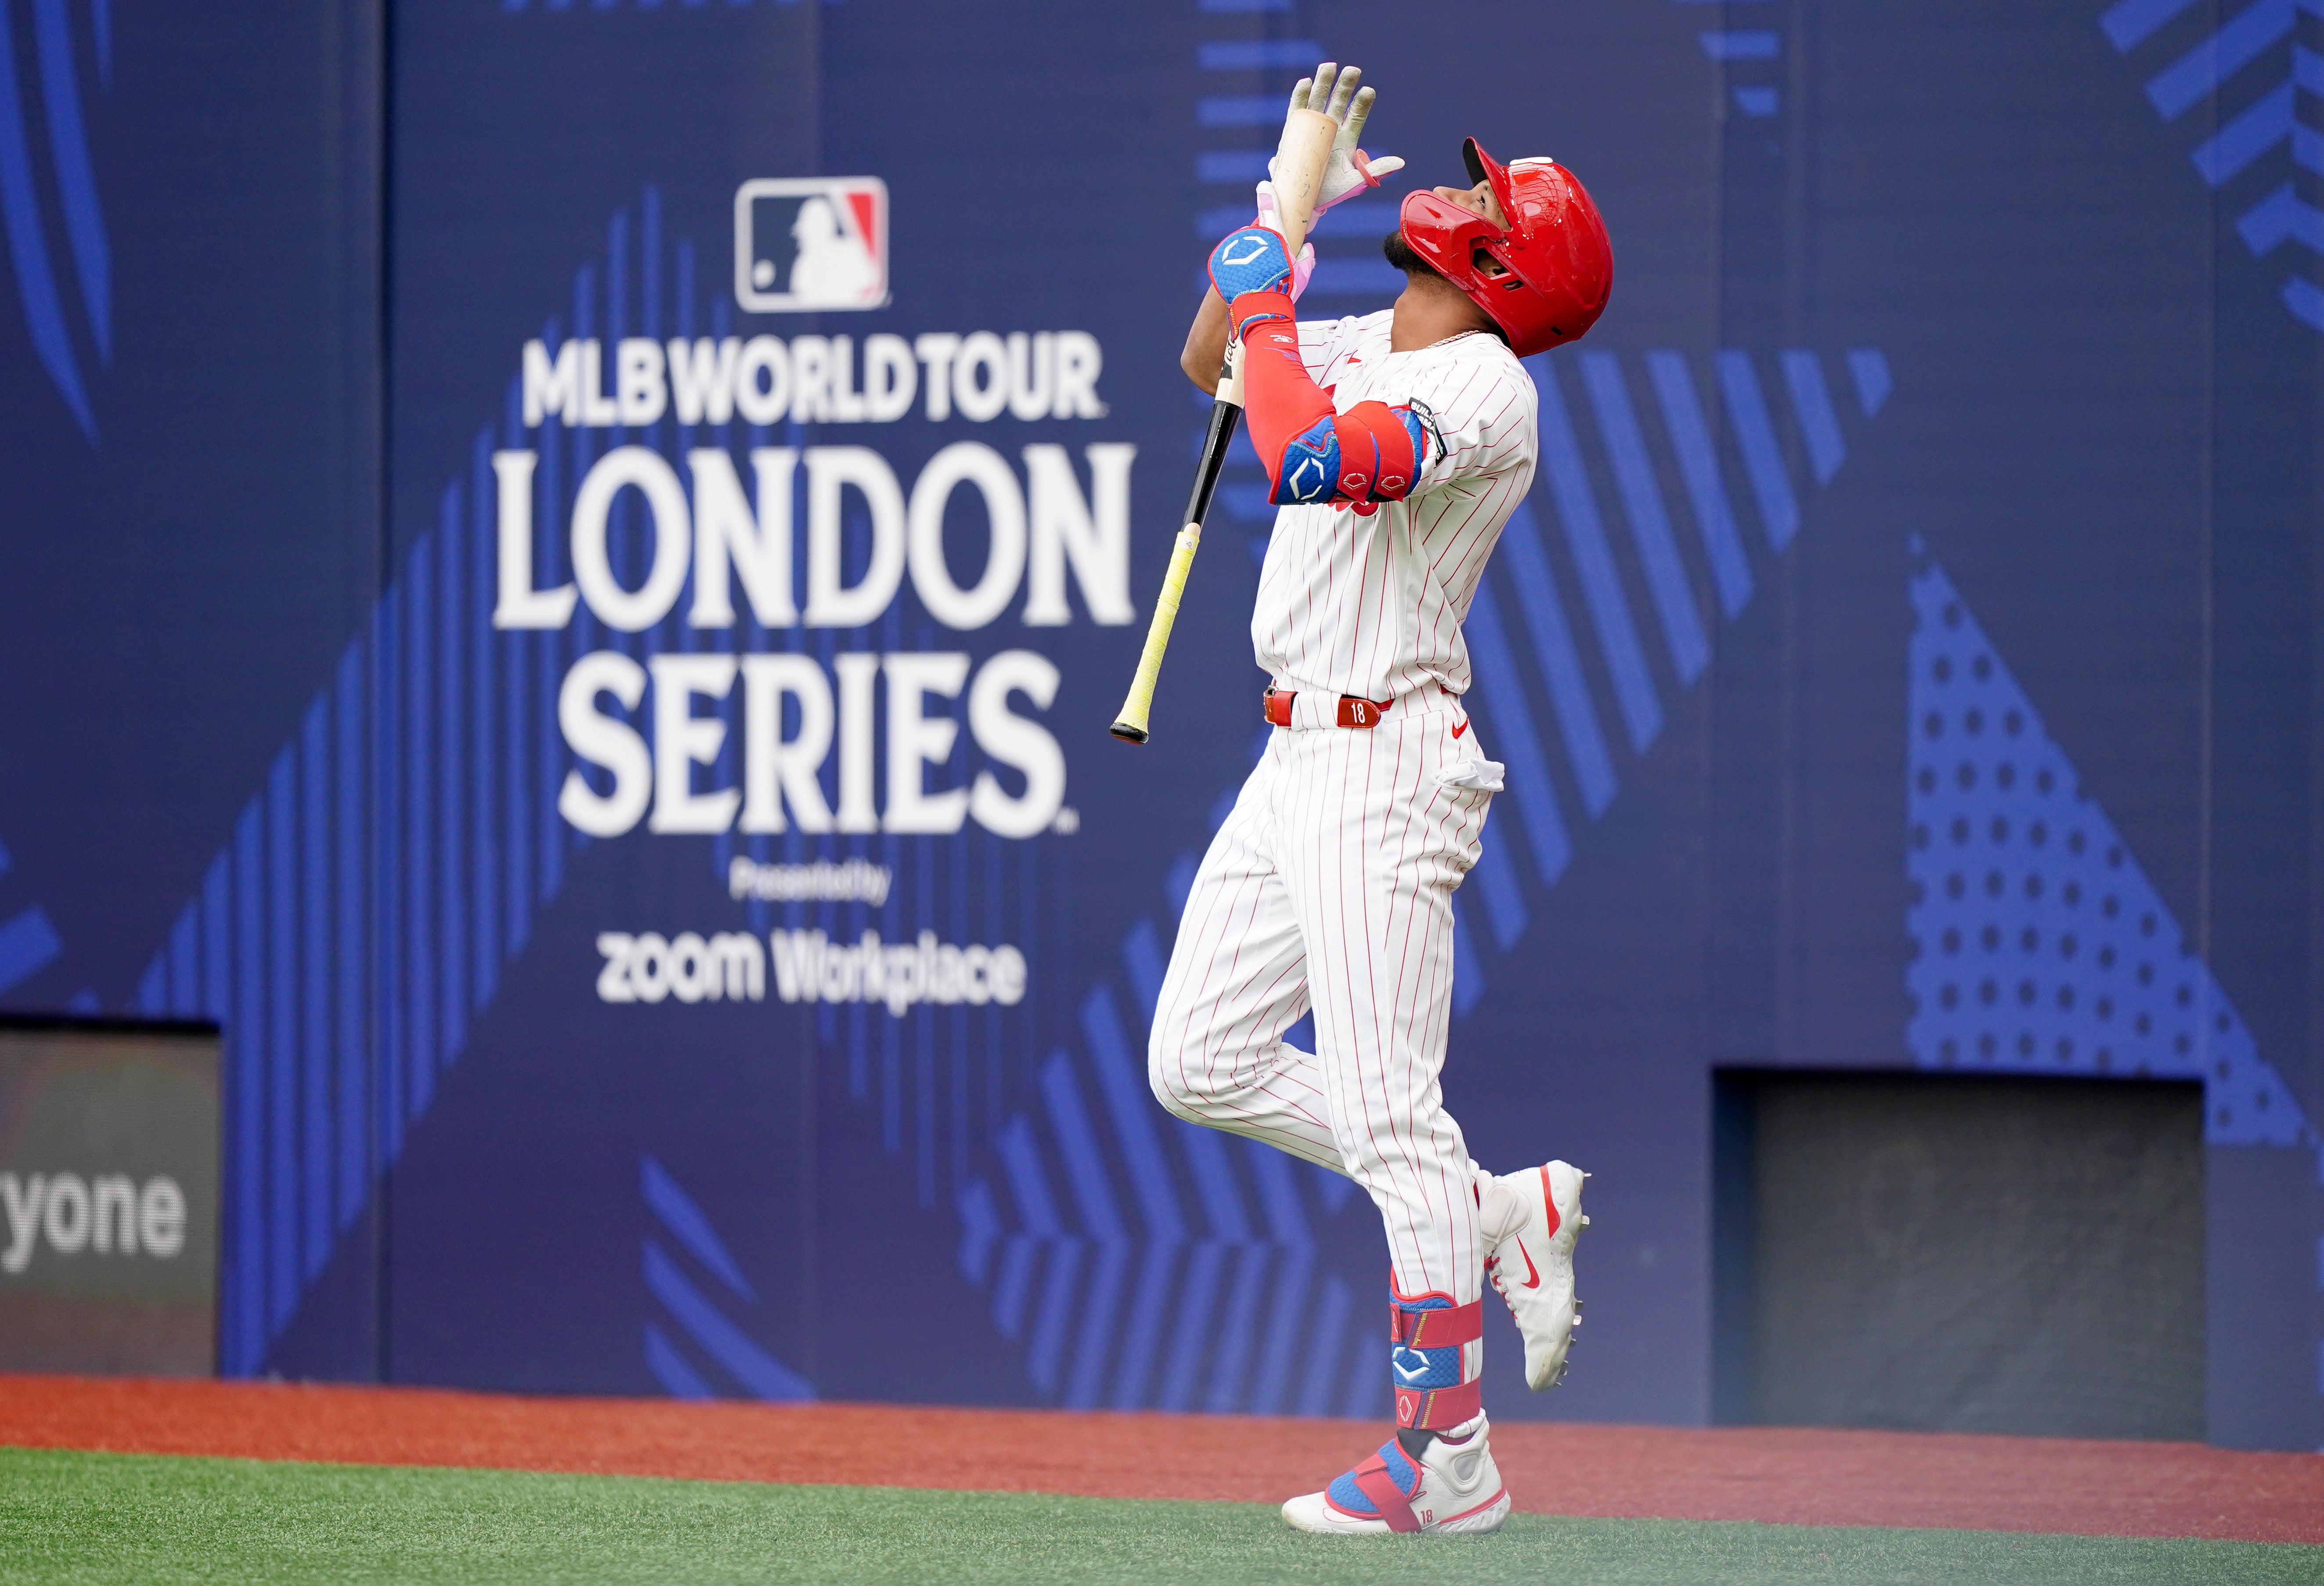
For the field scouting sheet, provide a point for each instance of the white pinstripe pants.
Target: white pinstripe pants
(1331, 885)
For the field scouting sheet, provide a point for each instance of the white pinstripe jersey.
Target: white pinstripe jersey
(1372, 606)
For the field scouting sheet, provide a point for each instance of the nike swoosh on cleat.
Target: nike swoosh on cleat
(1533, 1274)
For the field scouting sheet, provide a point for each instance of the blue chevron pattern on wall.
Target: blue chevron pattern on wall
(2266, 86)
(359, 916)
(1056, 1267)
(28, 942)
(58, 38)
(2038, 944)
(698, 1318)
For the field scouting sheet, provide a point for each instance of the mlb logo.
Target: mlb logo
(812, 243)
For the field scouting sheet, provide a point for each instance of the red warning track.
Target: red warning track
(1778, 1475)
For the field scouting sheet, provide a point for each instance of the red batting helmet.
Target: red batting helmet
(1555, 266)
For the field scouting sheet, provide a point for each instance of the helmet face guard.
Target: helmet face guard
(1544, 278)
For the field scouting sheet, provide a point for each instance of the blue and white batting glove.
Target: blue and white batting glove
(1252, 260)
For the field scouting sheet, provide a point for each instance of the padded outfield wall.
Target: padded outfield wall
(1945, 473)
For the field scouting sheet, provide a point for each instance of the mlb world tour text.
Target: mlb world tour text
(700, 530)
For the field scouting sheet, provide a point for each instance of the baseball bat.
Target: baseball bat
(1298, 179)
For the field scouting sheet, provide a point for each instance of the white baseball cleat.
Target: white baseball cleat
(1453, 1486)
(1532, 1267)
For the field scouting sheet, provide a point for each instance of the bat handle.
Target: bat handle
(1224, 413)
(1300, 158)
(1129, 726)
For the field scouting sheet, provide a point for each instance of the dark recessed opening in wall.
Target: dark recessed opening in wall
(1958, 1253)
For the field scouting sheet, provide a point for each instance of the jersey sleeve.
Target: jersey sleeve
(1477, 413)
(1313, 454)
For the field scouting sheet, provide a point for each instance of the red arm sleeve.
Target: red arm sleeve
(1370, 454)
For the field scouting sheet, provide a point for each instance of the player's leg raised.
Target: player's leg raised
(1238, 978)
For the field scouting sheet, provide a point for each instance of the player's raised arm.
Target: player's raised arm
(1311, 454)
(1349, 171)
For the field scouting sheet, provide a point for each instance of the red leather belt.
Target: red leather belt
(1353, 711)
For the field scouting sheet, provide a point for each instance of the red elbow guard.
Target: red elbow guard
(1380, 456)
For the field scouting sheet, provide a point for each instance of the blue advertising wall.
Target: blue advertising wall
(1909, 654)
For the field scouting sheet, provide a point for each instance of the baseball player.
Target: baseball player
(1396, 445)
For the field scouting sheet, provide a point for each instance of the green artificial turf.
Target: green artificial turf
(158, 1520)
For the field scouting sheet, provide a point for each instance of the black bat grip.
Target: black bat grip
(1224, 415)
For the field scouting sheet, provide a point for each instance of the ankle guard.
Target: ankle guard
(1427, 1349)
